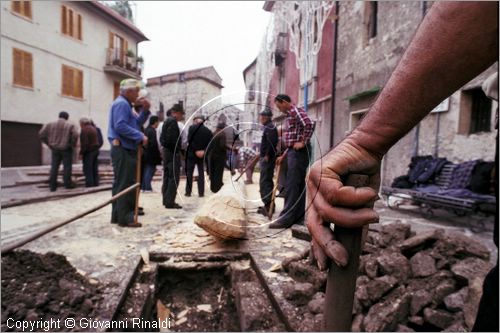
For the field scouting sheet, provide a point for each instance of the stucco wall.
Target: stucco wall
(51, 49)
(361, 67)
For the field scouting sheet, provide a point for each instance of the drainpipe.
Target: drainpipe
(334, 79)
(417, 128)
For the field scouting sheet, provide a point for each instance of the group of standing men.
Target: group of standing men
(61, 136)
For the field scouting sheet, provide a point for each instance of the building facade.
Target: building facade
(60, 55)
(361, 44)
(372, 37)
(198, 90)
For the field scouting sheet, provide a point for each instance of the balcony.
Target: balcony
(122, 65)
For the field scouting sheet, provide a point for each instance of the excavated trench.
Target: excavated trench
(200, 292)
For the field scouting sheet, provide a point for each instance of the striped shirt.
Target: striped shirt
(245, 155)
(299, 127)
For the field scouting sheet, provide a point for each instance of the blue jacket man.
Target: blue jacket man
(124, 135)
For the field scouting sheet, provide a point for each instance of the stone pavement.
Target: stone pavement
(109, 254)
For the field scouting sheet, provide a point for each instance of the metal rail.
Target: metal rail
(8, 248)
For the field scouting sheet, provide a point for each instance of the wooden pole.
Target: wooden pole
(273, 196)
(6, 249)
(247, 167)
(137, 180)
(341, 283)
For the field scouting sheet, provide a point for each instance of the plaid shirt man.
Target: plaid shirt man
(246, 154)
(299, 127)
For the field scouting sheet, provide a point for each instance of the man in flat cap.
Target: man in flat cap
(124, 134)
(267, 159)
(61, 137)
(171, 143)
(199, 136)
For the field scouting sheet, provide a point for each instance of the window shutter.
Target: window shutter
(17, 58)
(28, 69)
(70, 22)
(78, 75)
(27, 8)
(66, 81)
(64, 23)
(16, 7)
(79, 27)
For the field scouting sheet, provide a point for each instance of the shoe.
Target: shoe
(70, 186)
(280, 225)
(201, 195)
(187, 194)
(131, 225)
(174, 206)
(140, 213)
(141, 208)
(262, 210)
(247, 182)
(281, 194)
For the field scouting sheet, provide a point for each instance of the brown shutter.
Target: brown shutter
(17, 58)
(27, 8)
(16, 7)
(79, 27)
(70, 22)
(78, 75)
(64, 22)
(66, 76)
(28, 69)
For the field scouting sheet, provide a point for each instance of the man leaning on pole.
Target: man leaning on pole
(124, 134)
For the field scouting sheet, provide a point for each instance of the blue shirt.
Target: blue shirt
(124, 124)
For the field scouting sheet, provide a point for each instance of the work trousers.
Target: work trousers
(266, 185)
(190, 165)
(295, 194)
(216, 172)
(90, 168)
(124, 163)
(171, 176)
(58, 156)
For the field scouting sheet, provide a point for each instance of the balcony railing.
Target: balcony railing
(118, 61)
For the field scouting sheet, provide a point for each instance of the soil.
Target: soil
(186, 290)
(43, 287)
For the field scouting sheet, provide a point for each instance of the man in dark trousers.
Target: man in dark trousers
(216, 153)
(267, 160)
(296, 137)
(171, 143)
(89, 150)
(152, 156)
(124, 134)
(199, 136)
(61, 136)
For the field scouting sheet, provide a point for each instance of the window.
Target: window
(117, 49)
(71, 23)
(72, 82)
(23, 68)
(370, 20)
(475, 112)
(22, 8)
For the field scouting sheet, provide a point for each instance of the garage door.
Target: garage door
(20, 144)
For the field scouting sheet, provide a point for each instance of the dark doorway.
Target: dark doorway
(20, 144)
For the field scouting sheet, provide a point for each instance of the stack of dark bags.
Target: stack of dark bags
(471, 179)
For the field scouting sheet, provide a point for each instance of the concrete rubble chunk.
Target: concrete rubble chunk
(403, 328)
(470, 268)
(298, 293)
(357, 323)
(316, 304)
(420, 241)
(458, 245)
(419, 300)
(385, 316)
(438, 318)
(416, 320)
(395, 264)
(393, 233)
(455, 302)
(444, 289)
(422, 265)
(302, 271)
(380, 286)
(457, 326)
(472, 301)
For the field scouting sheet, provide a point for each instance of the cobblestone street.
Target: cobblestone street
(108, 255)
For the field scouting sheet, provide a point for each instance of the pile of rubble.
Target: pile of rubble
(426, 282)
(41, 287)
